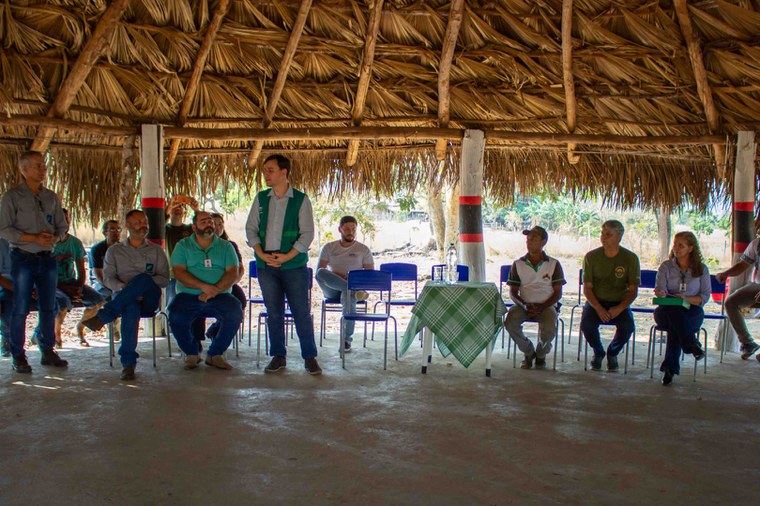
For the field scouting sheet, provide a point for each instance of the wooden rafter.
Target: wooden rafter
(195, 77)
(81, 69)
(444, 72)
(694, 50)
(571, 106)
(373, 27)
(282, 76)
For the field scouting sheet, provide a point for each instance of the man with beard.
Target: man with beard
(135, 270)
(335, 261)
(205, 267)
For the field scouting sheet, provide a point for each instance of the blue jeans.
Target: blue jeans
(199, 325)
(682, 326)
(186, 308)
(277, 284)
(213, 330)
(335, 287)
(28, 272)
(624, 327)
(6, 305)
(125, 304)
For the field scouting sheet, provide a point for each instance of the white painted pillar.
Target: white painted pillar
(472, 252)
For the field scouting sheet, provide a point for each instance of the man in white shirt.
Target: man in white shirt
(535, 285)
(335, 261)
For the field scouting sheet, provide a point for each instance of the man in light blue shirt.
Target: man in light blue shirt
(205, 267)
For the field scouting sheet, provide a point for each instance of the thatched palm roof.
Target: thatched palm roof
(630, 100)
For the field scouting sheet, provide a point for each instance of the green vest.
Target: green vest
(290, 229)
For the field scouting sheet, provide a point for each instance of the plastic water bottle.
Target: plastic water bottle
(451, 264)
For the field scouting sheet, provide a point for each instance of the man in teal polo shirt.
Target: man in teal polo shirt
(280, 229)
(205, 267)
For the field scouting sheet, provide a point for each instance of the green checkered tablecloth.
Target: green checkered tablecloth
(464, 318)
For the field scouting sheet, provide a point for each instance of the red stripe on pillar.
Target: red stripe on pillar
(470, 237)
(471, 200)
(739, 247)
(154, 202)
(744, 206)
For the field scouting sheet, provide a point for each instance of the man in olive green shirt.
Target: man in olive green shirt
(611, 277)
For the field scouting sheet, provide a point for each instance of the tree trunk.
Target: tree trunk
(437, 218)
(452, 218)
(663, 233)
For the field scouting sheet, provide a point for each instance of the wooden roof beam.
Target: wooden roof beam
(195, 77)
(282, 76)
(571, 106)
(365, 74)
(81, 69)
(700, 76)
(444, 72)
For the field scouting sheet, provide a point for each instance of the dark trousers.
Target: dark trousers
(28, 272)
(682, 326)
(624, 327)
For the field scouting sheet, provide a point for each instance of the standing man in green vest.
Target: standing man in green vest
(280, 229)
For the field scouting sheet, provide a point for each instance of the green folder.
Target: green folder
(671, 301)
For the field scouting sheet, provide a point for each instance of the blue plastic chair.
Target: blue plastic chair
(463, 270)
(335, 306)
(399, 272)
(158, 312)
(648, 282)
(252, 274)
(371, 281)
(503, 278)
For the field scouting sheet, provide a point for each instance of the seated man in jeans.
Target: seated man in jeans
(335, 261)
(135, 270)
(535, 285)
(611, 279)
(205, 267)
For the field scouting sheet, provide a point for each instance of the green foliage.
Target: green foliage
(406, 203)
(552, 212)
(233, 199)
(327, 215)
(705, 222)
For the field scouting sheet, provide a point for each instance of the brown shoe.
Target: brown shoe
(192, 361)
(218, 362)
(312, 366)
(94, 323)
(128, 373)
(50, 357)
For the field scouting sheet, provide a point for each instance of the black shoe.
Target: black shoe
(527, 362)
(312, 366)
(347, 348)
(612, 363)
(540, 363)
(50, 357)
(128, 373)
(748, 349)
(596, 362)
(276, 364)
(94, 323)
(667, 378)
(5, 351)
(21, 365)
(698, 353)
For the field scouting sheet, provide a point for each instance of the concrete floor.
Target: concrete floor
(368, 436)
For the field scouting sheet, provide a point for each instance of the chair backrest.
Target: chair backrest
(463, 270)
(580, 285)
(648, 279)
(370, 280)
(718, 290)
(401, 271)
(503, 278)
(252, 273)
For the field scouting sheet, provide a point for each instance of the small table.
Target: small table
(464, 317)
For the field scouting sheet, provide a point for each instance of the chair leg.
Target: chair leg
(154, 340)
(110, 344)
(342, 349)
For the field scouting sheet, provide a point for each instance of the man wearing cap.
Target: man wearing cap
(611, 279)
(32, 220)
(535, 286)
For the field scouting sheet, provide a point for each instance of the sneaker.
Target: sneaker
(218, 362)
(50, 357)
(361, 295)
(94, 323)
(540, 362)
(127, 373)
(312, 366)
(612, 363)
(596, 362)
(527, 362)
(20, 364)
(749, 349)
(667, 378)
(276, 364)
(192, 361)
(347, 348)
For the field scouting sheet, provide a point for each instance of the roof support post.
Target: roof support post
(743, 218)
(153, 194)
(472, 252)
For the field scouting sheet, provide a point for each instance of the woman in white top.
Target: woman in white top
(685, 276)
